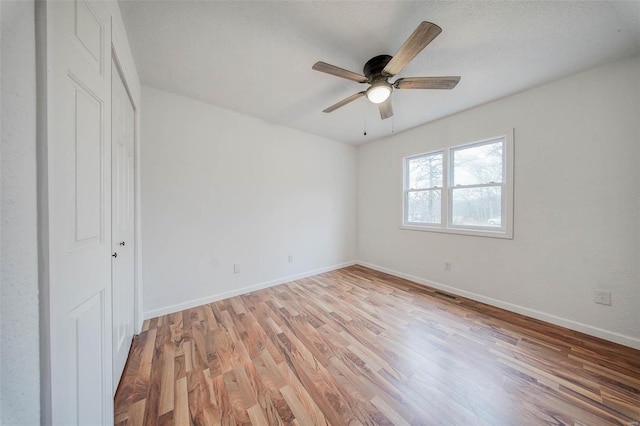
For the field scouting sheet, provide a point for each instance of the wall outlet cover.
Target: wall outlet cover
(602, 297)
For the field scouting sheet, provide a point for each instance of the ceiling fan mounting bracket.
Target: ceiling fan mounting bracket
(374, 66)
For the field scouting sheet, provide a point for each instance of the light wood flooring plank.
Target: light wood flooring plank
(356, 346)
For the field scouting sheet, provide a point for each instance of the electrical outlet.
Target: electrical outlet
(290, 259)
(447, 266)
(602, 297)
(236, 268)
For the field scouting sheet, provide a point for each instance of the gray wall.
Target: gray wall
(19, 368)
(576, 203)
(242, 191)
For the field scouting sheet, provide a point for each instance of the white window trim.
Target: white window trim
(506, 229)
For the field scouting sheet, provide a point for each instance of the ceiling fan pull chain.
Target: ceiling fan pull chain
(364, 117)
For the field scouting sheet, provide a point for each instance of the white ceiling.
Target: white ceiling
(255, 57)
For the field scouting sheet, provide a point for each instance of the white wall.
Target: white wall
(220, 188)
(19, 341)
(577, 205)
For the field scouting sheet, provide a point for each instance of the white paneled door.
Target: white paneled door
(78, 180)
(122, 228)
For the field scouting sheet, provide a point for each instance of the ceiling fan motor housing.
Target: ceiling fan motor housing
(374, 66)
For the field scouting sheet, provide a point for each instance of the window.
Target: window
(466, 189)
(424, 189)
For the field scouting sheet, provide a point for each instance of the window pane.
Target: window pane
(478, 164)
(425, 172)
(477, 206)
(424, 206)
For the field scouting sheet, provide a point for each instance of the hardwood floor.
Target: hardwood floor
(356, 346)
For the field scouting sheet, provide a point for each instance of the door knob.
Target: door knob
(115, 255)
(122, 243)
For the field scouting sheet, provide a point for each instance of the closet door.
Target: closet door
(79, 211)
(122, 221)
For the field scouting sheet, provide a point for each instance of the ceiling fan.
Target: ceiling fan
(379, 69)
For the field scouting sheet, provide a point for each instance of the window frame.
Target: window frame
(446, 225)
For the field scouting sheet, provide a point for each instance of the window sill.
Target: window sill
(460, 231)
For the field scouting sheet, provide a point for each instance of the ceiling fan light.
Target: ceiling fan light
(379, 92)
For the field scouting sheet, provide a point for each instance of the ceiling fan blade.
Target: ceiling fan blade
(421, 37)
(339, 72)
(386, 109)
(427, 82)
(344, 102)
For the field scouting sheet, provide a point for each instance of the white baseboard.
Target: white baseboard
(220, 296)
(543, 316)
